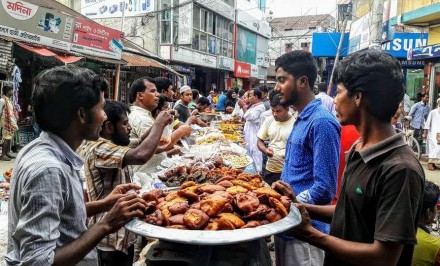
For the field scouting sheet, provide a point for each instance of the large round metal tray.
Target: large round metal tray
(222, 237)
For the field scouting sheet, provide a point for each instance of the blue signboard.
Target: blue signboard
(402, 42)
(427, 52)
(326, 44)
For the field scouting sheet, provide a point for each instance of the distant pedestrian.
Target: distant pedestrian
(276, 130)
(419, 112)
(231, 99)
(265, 90)
(8, 122)
(326, 100)
(432, 136)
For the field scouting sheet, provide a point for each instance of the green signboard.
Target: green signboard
(246, 46)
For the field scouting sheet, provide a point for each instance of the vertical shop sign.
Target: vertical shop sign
(31, 23)
(185, 23)
(94, 39)
(246, 46)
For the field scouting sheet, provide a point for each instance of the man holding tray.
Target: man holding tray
(376, 217)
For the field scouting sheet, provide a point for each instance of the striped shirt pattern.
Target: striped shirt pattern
(103, 172)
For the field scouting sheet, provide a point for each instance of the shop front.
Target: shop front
(324, 48)
(430, 55)
(207, 74)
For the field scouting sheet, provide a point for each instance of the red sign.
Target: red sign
(242, 70)
(95, 39)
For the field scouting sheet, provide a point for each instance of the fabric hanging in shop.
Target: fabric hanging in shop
(16, 80)
(134, 60)
(67, 59)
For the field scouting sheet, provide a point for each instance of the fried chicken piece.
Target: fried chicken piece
(176, 219)
(155, 218)
(279, 207)
(210, 188)
(225, 224)
(188, 184)
(195, 219)
(188, 194)
(178, 208)
(246, 203)
(236, 190)
(259, 213)
(244, 184)
(225, 183)
(251, 224)
(213, 205)
(267, 191)
(273, 216)
(234, 219)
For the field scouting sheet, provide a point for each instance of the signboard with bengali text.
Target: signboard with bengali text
(31, 23)
(94, 39)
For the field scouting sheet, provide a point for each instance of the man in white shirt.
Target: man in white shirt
(276, 129)
(327, 101)
(252, 125)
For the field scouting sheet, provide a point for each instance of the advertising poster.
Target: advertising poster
(246, 46)
(24, 21)
(185, 23)
(94, 39)
(113, 8)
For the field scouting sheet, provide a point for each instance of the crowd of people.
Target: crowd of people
(362, 196)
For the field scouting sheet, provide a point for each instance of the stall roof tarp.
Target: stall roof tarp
(142, 61)
(67, 59)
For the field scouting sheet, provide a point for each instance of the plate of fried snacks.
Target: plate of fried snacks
(231, 210)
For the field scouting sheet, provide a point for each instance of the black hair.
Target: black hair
(322, 87)
(241, 93)
(378, 76)
(115, 111)
(195, 94)
(203, 101)
(60, 91)
(7, 88)
(138, 86)
(299, 63)
(431, 195)
(258, 93)
(162, 100)
(236, 89)
(162, 84)
(229, 94)
(271, 94)
(264, 89)
(276, 101)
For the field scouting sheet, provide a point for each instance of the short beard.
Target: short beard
(119, 139)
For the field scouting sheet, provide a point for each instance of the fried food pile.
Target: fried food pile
(198, 172)
(229, 203)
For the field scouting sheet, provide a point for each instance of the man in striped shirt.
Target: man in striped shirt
(107, 164)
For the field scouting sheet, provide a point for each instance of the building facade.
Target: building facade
(295, 33)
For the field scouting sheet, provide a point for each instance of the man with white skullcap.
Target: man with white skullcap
(182, 106)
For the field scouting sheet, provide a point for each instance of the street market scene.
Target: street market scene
(220, 132)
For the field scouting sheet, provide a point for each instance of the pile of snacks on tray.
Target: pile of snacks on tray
(232, 202)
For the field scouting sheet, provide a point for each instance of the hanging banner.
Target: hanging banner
(31, 23)
(113, 8)
(185, 23)
(94, 39)
(246, 46)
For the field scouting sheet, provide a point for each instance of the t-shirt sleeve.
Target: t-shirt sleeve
(109, 155)
(399, 201)
(263, 133)
(43, 198)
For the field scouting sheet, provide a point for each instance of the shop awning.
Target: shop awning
(67, 59)
(134, 60)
